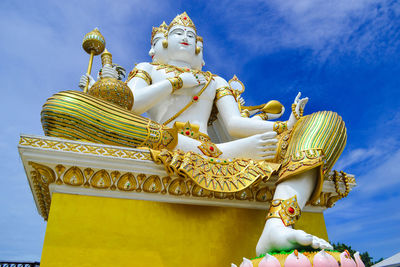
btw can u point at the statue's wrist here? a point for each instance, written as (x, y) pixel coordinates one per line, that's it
(176, 83)
(280, 126)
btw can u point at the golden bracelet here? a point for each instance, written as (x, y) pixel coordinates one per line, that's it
(279, 127)
(263, 116)
(176, 83)
(297, 116)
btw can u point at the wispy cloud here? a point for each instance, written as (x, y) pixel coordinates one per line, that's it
(321, 26)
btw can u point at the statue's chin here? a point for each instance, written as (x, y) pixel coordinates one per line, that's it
(183, 56)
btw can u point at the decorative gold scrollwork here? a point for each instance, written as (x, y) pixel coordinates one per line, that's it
(42, 176)
(101, 180)
(152, 184)
(177, 187)
(47, 175)
(127, 182)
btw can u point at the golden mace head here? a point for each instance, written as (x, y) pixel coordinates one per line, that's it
(94, 41)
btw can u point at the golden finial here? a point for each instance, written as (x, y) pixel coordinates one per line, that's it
(162, 28)
(183, 20)
(106, 58)
(94, 44)
(164, 25)
(111, 89)
(94, 41)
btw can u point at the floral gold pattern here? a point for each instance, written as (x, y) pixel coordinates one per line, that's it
(93, 149)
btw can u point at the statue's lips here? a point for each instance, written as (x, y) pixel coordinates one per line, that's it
(185, 43)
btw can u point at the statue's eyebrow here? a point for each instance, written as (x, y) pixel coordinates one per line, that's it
(176, 30)
(156, 40)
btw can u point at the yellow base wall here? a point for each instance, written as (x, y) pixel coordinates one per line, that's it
(100, 231)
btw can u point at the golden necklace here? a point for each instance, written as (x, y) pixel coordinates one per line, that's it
(194, 98)
(176, 70)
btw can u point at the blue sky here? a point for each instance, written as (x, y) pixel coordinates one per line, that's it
(343, 55)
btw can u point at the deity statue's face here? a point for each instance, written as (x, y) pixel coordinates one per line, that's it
(157, 52)
(182, 44)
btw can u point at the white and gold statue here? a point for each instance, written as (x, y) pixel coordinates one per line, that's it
(181, 102)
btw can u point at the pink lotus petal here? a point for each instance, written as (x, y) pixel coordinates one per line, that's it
(298, 260)
(323, 259)
(359, 262)
(246, 263)
(269, 261)
(346, 260)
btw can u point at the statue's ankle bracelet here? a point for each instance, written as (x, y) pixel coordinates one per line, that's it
(287, 210)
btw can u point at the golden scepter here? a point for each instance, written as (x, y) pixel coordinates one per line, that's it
(93, 43)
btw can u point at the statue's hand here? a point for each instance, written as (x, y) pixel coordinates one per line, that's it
(109, 72)
(84, 79)
(190, 80)
(300, 105)
(272, 116)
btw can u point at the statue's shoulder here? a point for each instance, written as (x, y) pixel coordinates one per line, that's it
(142, 70)
(144, 66)
(220, 82)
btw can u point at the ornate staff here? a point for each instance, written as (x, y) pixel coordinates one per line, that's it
(93, 43)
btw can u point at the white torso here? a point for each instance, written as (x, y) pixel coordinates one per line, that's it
(198, 113)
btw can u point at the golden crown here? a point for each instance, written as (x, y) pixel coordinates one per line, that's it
(162, 28)
(183, 20)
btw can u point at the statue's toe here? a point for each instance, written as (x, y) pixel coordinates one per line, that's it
(315, 243)
(301, 238)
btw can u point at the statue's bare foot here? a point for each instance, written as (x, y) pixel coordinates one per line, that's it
(276, 236)
(259, 147)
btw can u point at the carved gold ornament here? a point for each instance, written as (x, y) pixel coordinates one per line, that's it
(176, 83)
(280, 126)
(218, 175)
(182, 20)
(138, 73)
(209, 149)
(162, 29)
(190, 130)
(43, 175)
(287, 210)
(223, 91)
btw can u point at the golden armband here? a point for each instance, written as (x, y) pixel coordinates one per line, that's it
(176, 83)
(279, 127)
(223, 91)
(138, 73)
(287, 210)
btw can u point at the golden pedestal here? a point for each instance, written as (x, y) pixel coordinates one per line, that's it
(113, 206)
